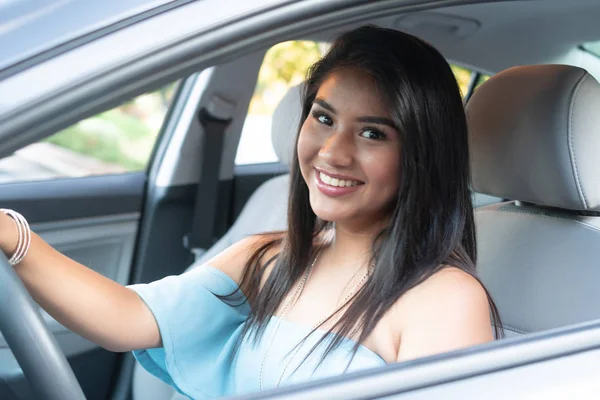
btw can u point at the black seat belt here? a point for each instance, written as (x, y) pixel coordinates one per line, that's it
(215, 119)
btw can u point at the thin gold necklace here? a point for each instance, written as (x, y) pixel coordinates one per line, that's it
(291, 302)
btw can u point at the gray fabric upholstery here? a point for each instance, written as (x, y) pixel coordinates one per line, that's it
(540, 265)
(286, 120)
(534, 139)
(535, 136)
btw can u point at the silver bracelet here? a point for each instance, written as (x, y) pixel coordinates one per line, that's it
(24, 233)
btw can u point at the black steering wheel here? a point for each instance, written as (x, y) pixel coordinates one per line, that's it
(41, 359)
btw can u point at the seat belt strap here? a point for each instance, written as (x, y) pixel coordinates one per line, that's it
(215, 118)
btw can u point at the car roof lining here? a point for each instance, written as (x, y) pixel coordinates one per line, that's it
(509, 33)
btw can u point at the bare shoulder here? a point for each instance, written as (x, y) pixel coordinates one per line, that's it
(450, 285)
(448, 310)
(233, 259)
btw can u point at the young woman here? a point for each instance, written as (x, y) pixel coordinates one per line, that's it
(377, 264)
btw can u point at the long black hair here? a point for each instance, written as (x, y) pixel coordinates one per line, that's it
(432, 221)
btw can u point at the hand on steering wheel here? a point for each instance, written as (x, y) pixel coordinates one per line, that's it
(41, 359)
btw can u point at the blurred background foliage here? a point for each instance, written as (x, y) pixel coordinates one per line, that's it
(123, 136)
(284, 66)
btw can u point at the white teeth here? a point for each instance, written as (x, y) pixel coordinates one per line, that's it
(336, 182)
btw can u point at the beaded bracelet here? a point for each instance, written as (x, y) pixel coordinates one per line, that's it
(24, 236)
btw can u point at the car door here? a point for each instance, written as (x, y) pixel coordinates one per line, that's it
(557, 364)
(82, 190)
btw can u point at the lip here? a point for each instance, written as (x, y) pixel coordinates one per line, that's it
(334, 191)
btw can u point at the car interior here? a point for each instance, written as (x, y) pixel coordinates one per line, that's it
(543, 226)
(534, 148)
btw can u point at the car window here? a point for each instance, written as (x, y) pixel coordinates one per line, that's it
(463, 77)
(466, 77)
(116, 141)
(482, 78)
(284, 66)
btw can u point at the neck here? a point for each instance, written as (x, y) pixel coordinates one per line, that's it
(352, 246)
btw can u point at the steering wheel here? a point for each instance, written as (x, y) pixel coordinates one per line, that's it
(41, 359)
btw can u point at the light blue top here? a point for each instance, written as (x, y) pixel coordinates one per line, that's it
(199, 332)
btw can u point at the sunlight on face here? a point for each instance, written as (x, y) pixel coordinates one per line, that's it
(349, 152)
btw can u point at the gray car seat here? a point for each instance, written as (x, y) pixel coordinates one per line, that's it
(265, 211)
(535, 138)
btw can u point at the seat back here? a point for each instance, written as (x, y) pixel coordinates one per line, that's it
(535, 138)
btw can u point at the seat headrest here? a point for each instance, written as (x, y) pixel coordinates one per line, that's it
(284, 127)
(534, 136)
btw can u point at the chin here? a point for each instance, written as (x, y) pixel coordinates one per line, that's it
(332, 215)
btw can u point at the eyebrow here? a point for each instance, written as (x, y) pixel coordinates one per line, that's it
(368, 119)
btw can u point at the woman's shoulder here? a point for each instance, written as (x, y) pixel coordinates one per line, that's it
(449, 288)
(450, 282)
(448, 310)
(233, 259)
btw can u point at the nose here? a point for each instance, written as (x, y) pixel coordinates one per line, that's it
(338, 149)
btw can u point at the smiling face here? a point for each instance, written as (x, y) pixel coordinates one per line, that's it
(349, 151)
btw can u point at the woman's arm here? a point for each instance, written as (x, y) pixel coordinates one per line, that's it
(92, 305)
(81, 299)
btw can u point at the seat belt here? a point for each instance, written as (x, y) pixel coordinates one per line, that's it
(214, 119)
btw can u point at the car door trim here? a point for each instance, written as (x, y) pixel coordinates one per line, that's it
(439, 369)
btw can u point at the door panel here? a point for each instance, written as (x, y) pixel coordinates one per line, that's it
(561, 363)
(570, 377)
(71, 199)
(94, 221)
(104, 244)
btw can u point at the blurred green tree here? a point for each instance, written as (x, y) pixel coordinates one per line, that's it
(284, 65)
